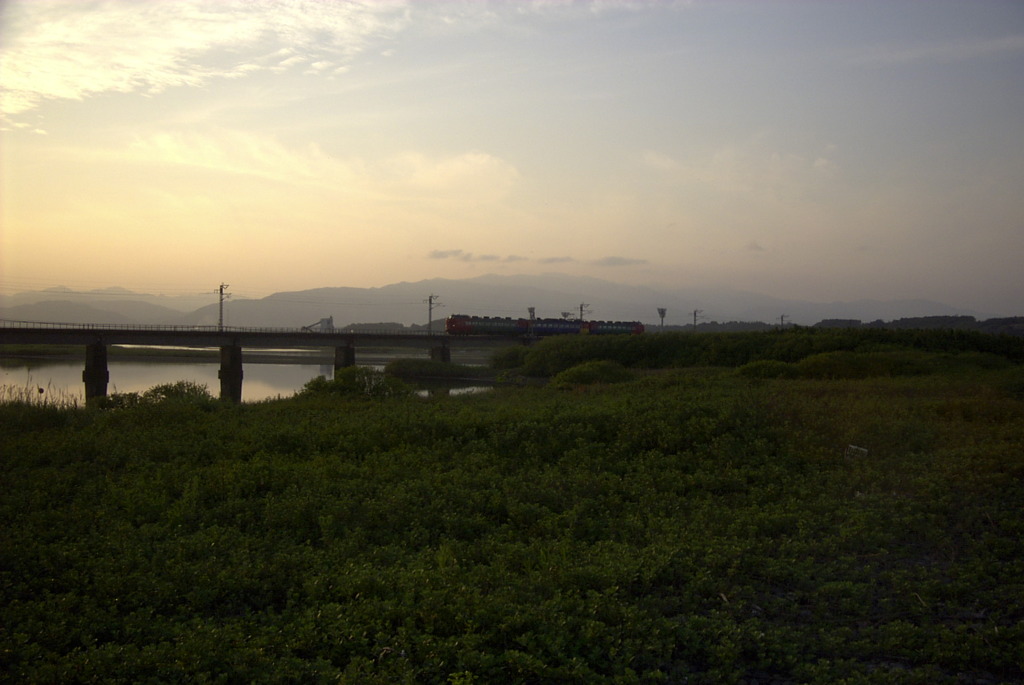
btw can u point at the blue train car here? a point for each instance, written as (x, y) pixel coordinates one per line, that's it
(461, 324)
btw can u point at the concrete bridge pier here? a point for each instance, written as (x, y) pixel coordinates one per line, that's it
(344, 357)
(96, 374)
(230, 373)
(441, 353)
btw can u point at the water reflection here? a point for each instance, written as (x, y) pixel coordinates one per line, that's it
(447, 388)
(63, 379)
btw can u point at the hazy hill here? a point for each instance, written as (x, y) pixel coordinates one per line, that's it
(62, 311)
(489, 295)
(493, 295)
(105, 298)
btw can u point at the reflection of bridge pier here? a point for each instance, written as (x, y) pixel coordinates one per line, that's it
(230, 373)
(441, 353)
(344, 356)
(96, 374)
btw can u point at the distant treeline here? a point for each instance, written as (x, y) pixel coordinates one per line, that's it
(794, 344)
(1013, 325)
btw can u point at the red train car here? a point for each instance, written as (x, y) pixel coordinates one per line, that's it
(461, 324)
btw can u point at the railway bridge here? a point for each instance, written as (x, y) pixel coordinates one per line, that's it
(231, 341)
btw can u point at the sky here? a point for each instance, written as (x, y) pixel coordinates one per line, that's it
(825, 151)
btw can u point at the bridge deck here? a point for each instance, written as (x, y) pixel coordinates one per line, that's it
(33, 333)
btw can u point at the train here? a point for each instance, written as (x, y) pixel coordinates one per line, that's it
(461, 324)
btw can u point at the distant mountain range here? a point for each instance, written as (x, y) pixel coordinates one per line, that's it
(490, 295)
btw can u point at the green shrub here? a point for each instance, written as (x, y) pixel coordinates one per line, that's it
(357, 381)
(600, 371)
(845, 364)
(973, 360)
(908, 351)
(904, 363)
(879, 361)
(768, 368)
(120, 400)
(1012, 383)
(178, 393)
(181, 391)
(428, 368)
(509, 357)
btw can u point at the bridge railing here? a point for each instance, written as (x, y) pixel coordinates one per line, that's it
(50, 325)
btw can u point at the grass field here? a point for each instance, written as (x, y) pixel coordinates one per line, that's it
(622, 524)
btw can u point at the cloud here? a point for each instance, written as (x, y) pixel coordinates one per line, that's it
(68, 49)
(559, 8)
(659, 161)
(942, 53)
(757, 169)
(471, 175)
(463, 256)
(446, 254)
(238, 153)
(556, 260)
(470, 179)
(618, 261)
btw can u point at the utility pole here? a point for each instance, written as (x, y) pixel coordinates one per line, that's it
(430, 313)
(696, 313)
(223, 296)
(782, 320)
(662, 311)
(584, 310)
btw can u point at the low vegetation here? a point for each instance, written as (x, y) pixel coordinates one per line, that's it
(182, 392)
(356, 381)
(427, 368)
(596, 371)
(677, 350)
(637, 520)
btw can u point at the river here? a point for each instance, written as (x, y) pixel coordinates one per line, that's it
(62, 380)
